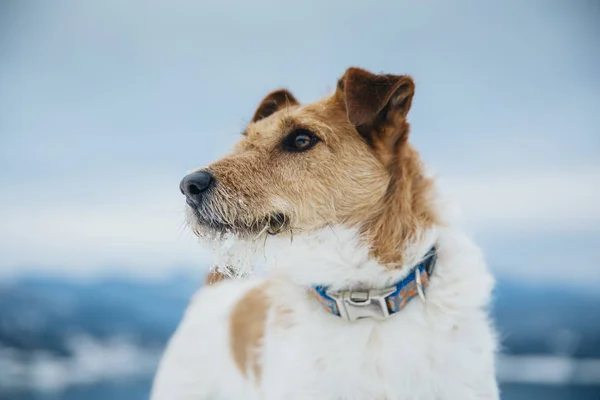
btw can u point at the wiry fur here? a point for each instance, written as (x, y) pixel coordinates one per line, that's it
(355, 211)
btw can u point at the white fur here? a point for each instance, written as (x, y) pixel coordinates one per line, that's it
(441, 349)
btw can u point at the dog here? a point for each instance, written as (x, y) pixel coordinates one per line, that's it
(354, 284)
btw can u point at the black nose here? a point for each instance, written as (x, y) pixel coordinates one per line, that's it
(194, 185)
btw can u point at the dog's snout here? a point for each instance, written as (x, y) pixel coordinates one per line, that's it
(194, 185)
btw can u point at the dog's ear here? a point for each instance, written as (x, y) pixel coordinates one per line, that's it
(273, 102)
(376, 102)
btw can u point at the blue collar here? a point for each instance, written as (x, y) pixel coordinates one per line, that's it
(378, 303)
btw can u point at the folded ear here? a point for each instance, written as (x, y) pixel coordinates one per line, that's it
(376, 101)
(273, 102)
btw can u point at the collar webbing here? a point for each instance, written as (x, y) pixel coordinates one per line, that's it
(378, 303)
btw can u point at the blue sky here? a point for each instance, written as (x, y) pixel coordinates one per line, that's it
(105, 105)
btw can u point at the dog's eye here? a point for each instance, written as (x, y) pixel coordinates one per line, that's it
(300, 140)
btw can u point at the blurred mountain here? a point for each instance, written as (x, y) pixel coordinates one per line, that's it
(43, 313)
(62, 338)
(536, 319)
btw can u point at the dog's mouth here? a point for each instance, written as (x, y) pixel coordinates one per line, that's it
(271, 224)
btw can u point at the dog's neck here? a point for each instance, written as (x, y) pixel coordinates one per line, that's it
(336, 256)
(405, 212)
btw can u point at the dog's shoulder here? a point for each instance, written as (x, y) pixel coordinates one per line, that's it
(220, 319)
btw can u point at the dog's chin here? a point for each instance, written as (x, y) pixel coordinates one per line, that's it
(213, 227)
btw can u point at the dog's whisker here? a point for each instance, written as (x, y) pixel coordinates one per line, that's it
(261, 232)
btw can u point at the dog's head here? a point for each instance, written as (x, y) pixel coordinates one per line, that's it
(342, 160)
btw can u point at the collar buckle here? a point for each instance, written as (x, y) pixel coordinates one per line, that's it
(358, 304)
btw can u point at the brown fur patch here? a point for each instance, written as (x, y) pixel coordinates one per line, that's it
(406, 209)
(214, 276)
(247, 325)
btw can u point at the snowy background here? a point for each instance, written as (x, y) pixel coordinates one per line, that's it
(105, 105)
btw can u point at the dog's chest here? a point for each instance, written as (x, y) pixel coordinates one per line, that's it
(402, 358)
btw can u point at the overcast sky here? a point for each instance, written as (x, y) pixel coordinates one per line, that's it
(105, 105)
